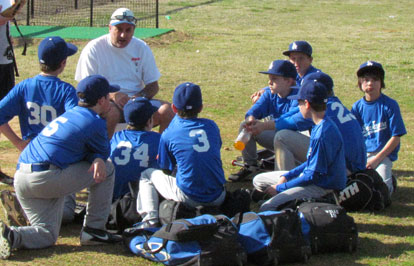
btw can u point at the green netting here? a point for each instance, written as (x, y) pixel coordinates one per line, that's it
(78, 32)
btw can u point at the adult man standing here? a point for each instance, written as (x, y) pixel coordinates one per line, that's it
(128, 62)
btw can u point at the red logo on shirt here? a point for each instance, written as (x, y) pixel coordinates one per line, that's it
(135, 59)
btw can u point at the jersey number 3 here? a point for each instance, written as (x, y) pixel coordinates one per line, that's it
(202, 138)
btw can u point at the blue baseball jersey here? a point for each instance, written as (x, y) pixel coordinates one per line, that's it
(193, 147)
(131, 153)
(311, 69)
(272, 105)
(380, 120)
(325, 164)
(79, 134)
(355, 152)
(37, 101)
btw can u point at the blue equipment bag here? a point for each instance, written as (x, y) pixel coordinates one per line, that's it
(271, 237)
(203, 240)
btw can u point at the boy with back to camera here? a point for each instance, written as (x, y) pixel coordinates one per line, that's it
(324, 169)
(68, 155)
(273, 103)
(189, 154)
(134, 149)
(380, 119)
(37, 101)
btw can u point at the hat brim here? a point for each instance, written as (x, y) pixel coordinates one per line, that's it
(366, 69)
(72, 49)
(117, 22)
(114, 88)
(287, 53)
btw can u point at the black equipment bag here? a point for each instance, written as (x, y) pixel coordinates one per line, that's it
(124, 212)
(271, 237)
(328, 227)
(235, 202)
(365, 190)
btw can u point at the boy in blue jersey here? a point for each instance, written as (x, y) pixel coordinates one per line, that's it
(189, 154)
(68, 155)
(134, 149)
(300, 55)
(287, 149)
(273, 103)
(380, 119)
(39, 100)
(324, 169)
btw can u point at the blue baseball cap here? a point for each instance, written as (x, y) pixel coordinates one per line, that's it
(94, 87)
(299, 46)
(370, 66)
(123, 15)
(323, 78)
(138, 111)
(53, 50)
(282, 68)
(312, 91)
(187, 96)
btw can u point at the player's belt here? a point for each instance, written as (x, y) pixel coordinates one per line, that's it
(35, 167)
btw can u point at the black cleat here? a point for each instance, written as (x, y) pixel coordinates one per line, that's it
(5, 179)
(240, 175)
(92, 237)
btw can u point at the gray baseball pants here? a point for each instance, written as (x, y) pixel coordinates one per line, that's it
(264, 180)
(291, 148)
(384, 169)
(154, 181)
(41, 195)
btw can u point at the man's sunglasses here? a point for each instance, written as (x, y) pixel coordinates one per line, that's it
(123, 17)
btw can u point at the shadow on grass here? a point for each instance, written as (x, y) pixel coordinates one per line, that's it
(387, 229)
(374, 248)
(66, 232)
(62, 249)
(405, 173)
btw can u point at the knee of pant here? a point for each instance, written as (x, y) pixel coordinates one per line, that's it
(110, 168)
(281, 135)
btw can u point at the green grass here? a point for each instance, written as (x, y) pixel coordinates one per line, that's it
(221, 45)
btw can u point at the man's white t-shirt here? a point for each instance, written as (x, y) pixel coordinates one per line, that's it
(131, 67)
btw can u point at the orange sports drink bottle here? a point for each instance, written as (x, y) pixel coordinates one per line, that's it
(242, 139)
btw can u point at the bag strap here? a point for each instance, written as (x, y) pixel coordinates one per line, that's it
(21, 35)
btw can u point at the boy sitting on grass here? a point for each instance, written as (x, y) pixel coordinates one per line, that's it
(134, 149)
(189, 154)
(380, 119)
(324, 169)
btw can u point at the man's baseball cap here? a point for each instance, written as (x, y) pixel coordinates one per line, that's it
(371, 66)
(187, 96)
(94, 87)
(323, 78)
(282, 68)
(299, 46)
(138, 111)
(123, 15)
(312, 91)
(53, 50)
